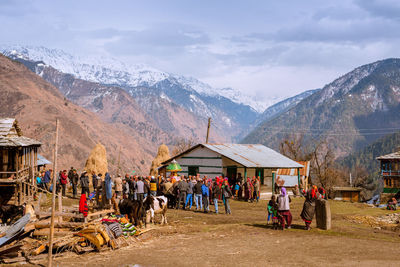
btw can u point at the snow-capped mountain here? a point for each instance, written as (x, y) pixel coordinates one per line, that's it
(349, 113)
(111, 71)
(155, 91)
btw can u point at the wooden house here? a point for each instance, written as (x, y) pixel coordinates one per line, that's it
(18, 160)
(351, 194)
(390, 172)
(234, 161)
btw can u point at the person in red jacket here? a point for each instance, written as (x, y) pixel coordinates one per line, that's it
(64, 181)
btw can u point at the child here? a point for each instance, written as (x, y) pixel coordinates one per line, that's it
(270, 208)
(273, 212)
(236, 189)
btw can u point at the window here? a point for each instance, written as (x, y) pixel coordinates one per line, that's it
(193, 170)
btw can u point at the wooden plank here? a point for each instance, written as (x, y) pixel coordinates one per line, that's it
(57, 232)
(41, 225)
(42, 214)
(102, 212)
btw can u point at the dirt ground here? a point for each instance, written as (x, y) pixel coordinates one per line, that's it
(244, 239)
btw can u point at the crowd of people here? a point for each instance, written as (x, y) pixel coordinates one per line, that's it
(187, 192)
(183, 192)
(279, 207)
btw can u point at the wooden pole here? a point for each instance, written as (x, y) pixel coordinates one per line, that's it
(208, 130)
(60, 205)
(53, 202)
(119, 161)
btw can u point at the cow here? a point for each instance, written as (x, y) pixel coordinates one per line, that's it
(134, 209)
(11, 212)
(156, 205)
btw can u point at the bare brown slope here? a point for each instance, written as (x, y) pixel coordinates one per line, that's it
(36, 104)
(153, 118)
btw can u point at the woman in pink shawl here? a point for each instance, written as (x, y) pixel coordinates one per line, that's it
(284, 209)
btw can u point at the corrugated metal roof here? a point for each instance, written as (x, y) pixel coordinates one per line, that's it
(395, 155)
(42, 160)
(250, 156)
(253, 156)
(305, 171)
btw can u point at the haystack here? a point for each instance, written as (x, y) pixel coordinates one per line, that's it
(97, 160)
(162, 155)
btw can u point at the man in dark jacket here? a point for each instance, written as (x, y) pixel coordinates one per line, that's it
(70, 173)
(183, 187)
(74, 181)
(216, 193)
(94, 180)
(227, 195)
(47, 179)
(85, 183)
(198, 197)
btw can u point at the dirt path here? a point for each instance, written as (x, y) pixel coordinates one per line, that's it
(197, 239)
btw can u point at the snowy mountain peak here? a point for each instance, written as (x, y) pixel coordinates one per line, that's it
(111, 71)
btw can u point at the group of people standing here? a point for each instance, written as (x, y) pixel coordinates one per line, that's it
(279, 208)
(183, 191)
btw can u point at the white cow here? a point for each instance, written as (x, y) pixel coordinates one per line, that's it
(156, 205)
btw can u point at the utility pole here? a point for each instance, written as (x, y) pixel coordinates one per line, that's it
(119, 159)
(53, 201)
(208, 130)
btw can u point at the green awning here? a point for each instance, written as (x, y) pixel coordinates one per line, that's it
(174, 167)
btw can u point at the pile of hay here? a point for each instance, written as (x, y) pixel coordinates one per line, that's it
(97, 160)
(162, 155)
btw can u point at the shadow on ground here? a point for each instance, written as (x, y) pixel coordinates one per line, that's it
(269, 226)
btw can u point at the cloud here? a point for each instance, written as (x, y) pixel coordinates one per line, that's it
(387, 9)
(159, 40)
(16, 8)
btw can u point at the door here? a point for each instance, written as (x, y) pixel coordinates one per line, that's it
(193, 170)
(231, 173)
(260, 173)
(346, 196)
(354, 196)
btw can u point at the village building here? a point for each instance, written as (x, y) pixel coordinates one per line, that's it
(347, 193)
(390, 172)
(234, 161)
(18, 161)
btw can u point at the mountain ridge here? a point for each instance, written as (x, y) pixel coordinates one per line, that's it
(345, 112)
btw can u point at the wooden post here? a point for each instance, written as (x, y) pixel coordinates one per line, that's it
(53, 202)
(298, 177)
(273, 182)
(16, 194)
(23, 192)
(208, 130)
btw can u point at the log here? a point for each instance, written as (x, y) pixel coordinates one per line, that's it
(102, 212)
(57, 232)
(64, 214)
(41, 225)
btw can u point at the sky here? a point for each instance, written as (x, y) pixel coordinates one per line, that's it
(269, 49)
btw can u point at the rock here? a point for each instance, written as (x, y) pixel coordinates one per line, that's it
(97, 160)
(162, 155)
